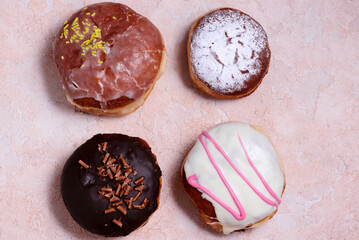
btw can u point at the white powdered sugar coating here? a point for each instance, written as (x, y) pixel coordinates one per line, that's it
(225, 49)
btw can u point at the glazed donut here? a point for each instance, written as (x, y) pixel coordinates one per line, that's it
(228, 53)
(108, 58)
(234, 177)
(111, 184)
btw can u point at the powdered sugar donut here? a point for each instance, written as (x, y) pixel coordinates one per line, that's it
(234, 176)
(228, 53)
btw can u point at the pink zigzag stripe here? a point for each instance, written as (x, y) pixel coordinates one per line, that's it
(192, 180)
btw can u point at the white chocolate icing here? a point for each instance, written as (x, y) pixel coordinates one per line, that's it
(264, 158)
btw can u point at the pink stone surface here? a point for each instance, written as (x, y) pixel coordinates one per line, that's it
(308, 104)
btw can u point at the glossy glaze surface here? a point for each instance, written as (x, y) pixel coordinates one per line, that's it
(80, 186)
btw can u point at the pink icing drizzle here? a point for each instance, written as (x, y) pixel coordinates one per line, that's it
(192, 180)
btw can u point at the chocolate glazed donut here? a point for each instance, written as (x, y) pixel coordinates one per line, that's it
(111, 184)
(109, 58)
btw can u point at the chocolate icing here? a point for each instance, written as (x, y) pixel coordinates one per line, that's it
(80, 186)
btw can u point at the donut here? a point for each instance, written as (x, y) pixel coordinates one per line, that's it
(234, 177)
(111, 184)
(228, 53)
(108, 58)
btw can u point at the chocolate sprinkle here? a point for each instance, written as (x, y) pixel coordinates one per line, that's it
(122, 209)
(139, 180)
(83, 164)
(106, 157)
(138, 206)
(110, 210)
(117, 222)
(139, 188)
(137, 196)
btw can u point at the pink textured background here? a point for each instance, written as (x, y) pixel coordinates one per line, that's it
(308, 104)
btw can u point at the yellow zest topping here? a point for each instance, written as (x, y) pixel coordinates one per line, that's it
(78, 32)
(85, 8)
(65, 22)
(76, 28)
(86, 30)
(93, 14)
(65, 32)
(114, 18)
(100, 62)
(62, 57)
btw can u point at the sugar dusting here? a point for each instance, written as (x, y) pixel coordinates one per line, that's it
(225, 49)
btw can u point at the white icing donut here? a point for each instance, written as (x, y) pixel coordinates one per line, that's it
(230, 137)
